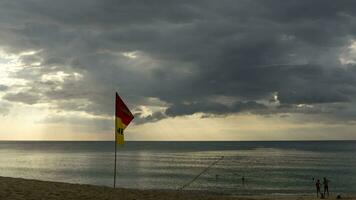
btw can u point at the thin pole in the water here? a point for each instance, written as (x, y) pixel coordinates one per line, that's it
(205, 170)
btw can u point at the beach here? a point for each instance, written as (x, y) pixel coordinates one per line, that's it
(26, 189)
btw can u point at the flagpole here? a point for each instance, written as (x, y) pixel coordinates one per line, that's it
(115, 162)
(115, 155)
(123, 117)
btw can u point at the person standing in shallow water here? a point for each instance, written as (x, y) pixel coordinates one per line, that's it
(326, 186)
(317, 185)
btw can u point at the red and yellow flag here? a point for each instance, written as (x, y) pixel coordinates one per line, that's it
(123, 117)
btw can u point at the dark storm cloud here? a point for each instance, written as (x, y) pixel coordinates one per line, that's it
(187, 53)
(23, 97)
(3, 87)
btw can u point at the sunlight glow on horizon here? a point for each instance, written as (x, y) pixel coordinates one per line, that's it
(41, 121)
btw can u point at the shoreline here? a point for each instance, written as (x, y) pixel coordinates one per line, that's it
(23, 189)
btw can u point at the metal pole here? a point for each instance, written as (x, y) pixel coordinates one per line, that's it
(115, 161)
(115, 131)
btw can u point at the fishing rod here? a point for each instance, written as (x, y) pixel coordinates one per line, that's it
(205, 170)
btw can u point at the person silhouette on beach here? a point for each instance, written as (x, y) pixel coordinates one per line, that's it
(243, 180)
(317, 185)
(326, 186)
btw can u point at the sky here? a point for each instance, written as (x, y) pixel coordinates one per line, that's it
(188, 70)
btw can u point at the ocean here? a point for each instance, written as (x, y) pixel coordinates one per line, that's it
(269, 168)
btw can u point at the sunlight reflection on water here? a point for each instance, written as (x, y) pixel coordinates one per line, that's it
(269, 167)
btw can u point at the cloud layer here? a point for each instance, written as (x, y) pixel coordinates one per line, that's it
(174, 58)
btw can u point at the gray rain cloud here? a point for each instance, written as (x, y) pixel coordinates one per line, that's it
(211, 57)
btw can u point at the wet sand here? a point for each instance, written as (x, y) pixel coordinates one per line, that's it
(24, 189)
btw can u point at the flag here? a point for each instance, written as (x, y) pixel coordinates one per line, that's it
(123, 117)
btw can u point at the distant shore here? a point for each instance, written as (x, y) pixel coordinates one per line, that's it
(25, 189)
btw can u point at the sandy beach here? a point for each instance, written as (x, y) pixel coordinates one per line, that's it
(24, 189)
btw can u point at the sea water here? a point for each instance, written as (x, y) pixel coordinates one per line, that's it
(269, 168)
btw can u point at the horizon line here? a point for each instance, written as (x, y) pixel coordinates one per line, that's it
(324, 140)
